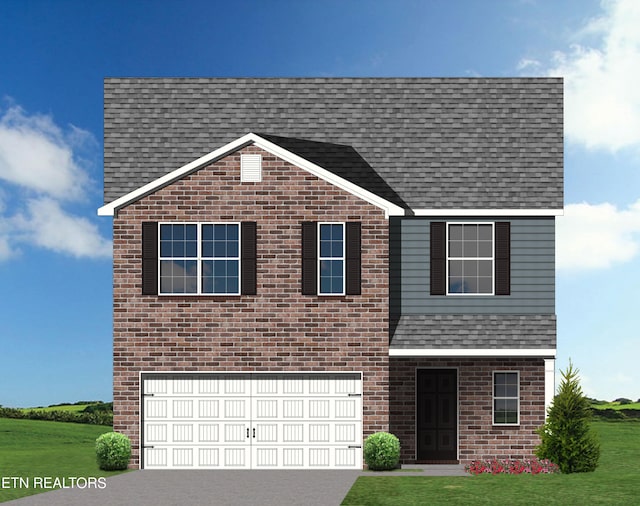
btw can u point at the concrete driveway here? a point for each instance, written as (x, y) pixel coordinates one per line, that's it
(187, 488)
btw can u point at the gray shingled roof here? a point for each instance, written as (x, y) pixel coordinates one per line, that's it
(436, 143)
(474, 331)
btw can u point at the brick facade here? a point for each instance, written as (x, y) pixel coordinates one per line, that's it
(276, 330)
(478, 438)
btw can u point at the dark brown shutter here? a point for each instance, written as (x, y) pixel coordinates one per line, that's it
(438, 258)
(309, 258)
(248, 258)
(503, 258)
(149, 258)
(353, 256)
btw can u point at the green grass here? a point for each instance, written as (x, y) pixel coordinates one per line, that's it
(616, 405)
(36, 448)
(616, 481)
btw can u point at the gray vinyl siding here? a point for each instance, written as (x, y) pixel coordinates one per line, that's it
(532, 270)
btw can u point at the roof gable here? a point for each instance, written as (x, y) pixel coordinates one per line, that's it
(343, 158)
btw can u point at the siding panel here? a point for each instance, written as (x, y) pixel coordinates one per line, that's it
(532, 270)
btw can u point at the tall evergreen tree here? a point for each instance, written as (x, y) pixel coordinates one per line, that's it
(567, 438)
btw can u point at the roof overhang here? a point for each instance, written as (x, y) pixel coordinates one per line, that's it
(488, 212)
(472, 352)
(390, 209)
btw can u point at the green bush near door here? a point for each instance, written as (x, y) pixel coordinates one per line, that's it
(382, 451)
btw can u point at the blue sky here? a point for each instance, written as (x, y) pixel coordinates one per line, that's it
(55, 252)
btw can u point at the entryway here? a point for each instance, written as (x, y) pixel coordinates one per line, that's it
(437, 416)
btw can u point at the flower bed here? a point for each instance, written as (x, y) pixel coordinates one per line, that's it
(498, 466)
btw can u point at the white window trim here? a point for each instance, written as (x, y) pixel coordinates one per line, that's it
(493, 258)
(493, 399)
(199, 258)
(343, 258)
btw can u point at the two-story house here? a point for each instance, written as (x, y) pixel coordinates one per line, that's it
(299, 263)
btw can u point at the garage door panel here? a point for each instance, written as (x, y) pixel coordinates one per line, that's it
(304, 457)
(236, 457)
(155, 457)
(258, 420)
(209, 457)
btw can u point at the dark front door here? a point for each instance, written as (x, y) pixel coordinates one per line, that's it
(437, 416)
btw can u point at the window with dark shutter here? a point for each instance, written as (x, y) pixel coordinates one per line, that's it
(353, 258)
(438, 260)
(309, 258)
(503, 258)
(248, 258)
(149, 258)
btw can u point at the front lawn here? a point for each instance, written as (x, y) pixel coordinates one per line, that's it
(616, 481)
(36, 448)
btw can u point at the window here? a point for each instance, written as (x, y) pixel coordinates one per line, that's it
(331, 258)
(199, 258)
(506, 398)
(470, 258)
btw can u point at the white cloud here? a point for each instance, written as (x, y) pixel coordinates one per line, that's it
(596, 236)
(44, 164)
(529, 65)
(602, 94)
(47, 225)
(36, 154)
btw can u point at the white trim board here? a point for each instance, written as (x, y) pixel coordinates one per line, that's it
(549, 383)
(472, 352)
(389, 208)
(488, 212)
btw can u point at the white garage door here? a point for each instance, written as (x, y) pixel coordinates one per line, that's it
(252, 421)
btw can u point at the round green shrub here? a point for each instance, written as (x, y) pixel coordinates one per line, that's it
(113, 451)
(382, 451)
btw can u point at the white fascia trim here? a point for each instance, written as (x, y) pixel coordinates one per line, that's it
(489, 212)
(472, 352)
(389, 208)
(109, 209)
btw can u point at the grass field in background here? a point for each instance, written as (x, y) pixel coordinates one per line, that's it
(30, 448)
(617, 406)
(615, 482)
(65, 407)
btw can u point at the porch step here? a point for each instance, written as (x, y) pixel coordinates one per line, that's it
(422, 470)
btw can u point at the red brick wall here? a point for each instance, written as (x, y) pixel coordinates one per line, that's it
(478, 437)
(276, 330)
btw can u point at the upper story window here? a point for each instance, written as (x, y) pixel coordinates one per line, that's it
(331, 258)
(470, 258)
(199, 258)
(506, 398)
